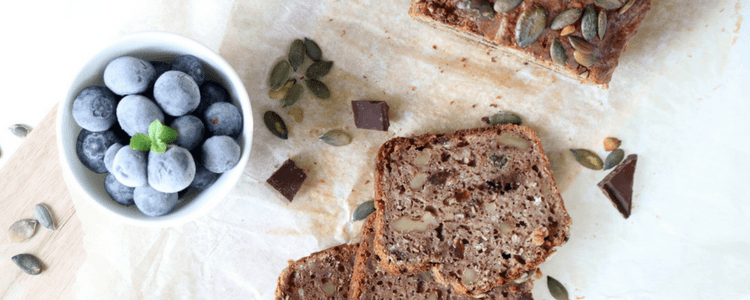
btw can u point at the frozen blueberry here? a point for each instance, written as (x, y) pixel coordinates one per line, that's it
(171, 171)
(153, 203)
(130, 167)
(190, 131)
(223, 118)
(135, 113)
(203, 177)
(109, 156)
(182, 193)
(160, 67)
(127, 75)
(92, 146)
(190, 65)
(94, 108)
(220, 154)
(211, 92)
(117, 191)
(176, 93)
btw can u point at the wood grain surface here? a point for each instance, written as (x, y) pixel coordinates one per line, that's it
(33, 175)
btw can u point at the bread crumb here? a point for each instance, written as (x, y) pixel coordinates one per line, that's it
(434, 47)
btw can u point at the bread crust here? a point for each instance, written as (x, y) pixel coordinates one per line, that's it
(427, 257)
(338, 262)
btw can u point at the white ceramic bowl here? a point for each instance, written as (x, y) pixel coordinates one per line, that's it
(152, 46)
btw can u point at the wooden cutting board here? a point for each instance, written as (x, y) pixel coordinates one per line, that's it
(34, 175)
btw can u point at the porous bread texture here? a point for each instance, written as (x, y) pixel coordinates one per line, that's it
(322, 275)
(370, 282)
(478, 207)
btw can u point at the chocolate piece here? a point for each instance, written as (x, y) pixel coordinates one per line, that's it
(618, 185)
(371, 115)
(287, 179)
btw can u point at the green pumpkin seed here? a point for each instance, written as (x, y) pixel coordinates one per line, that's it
(293, 95)
(20, 130)
(602, 26)
(279, 75)
(313, 50)
(276, 125)
(556, 288)
(297, 114)
(22, 230)
(609, 4)
(557, 52)
(297, 54)
(281, 93)
(587, 159)
(318, 69)
(318, 89)
(626, 7)
(581, 45)
(565, 18)
(505, 117)
(614, 158)
(480, 9)
(503, 6)
(44, 216)
(586, 60)
(336, 138)
(28, 263)
(363, 210)
(530, 26)
(588, 23)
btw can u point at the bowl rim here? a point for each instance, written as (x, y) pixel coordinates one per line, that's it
(221, 66)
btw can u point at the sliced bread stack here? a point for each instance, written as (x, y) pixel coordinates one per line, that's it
(464, 214)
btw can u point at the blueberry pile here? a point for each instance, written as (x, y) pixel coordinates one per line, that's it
(138, 92)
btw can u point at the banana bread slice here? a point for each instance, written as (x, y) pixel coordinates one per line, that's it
(322, 275)
(370, 282)
(478, 206)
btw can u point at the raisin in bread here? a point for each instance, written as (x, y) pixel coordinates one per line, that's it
(477, 206)
(370, 282)
(322, 275)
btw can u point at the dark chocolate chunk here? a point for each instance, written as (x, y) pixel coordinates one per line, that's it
(287, 179)
(371, 115)
(618, 185)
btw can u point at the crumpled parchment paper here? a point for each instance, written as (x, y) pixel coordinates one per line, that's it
(678, 100)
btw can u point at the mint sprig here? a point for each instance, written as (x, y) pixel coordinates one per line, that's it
(159, 135)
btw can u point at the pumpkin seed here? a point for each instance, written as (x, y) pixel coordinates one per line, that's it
(276, 125)
(557, 52)
(28, 263)
(557, 289)
(565, 18)
(602, 26)
(293, 95)
(44, 216)
(503, 6)
(480, 9)
(609, 4)
(336, 137)
(297, 114)
(588, 23)
(363, 210)
(22, 230)
(318, 89)
(505, 117)
(586, 60)
(587, 159)
(614, 158)
(313, 50)
(20, 130)
(626, 7)
(280, 93)
(279, 75)
(297, 54)
(318, 69)
(581, 45)
(530, 26)
(568, 30)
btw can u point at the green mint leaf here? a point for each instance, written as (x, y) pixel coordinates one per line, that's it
(140, 142)
(153, 129)
(159, 147)
(166, 134)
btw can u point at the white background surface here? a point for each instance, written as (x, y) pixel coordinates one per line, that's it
(680, 99)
